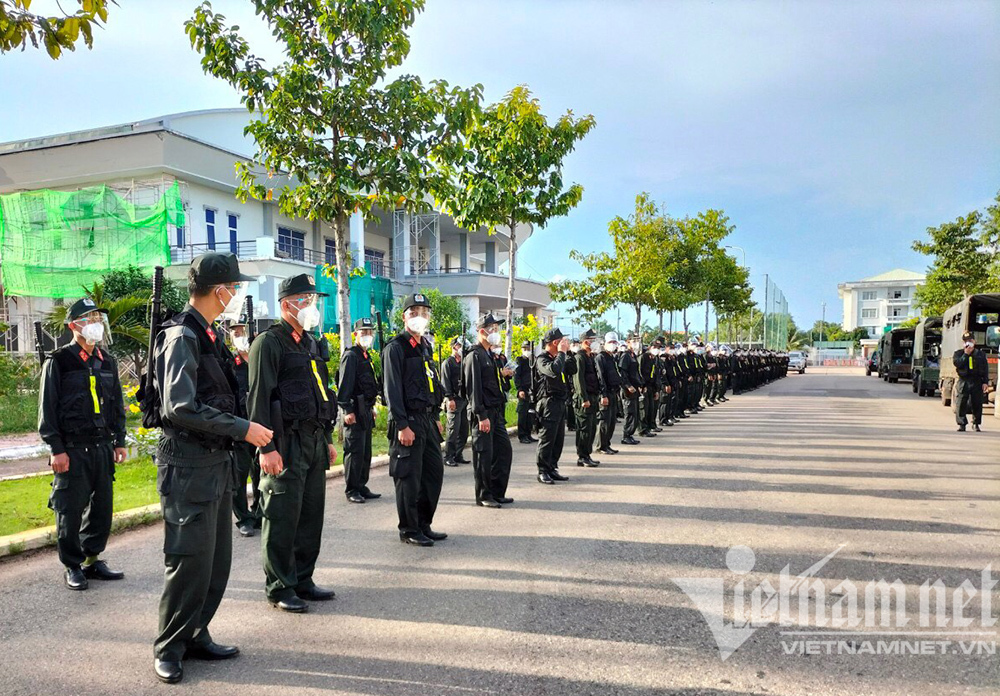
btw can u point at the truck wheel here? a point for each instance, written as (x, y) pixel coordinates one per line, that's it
(946, 393)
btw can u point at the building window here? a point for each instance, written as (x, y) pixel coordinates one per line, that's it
(233, 220)
(180, 235)
(869, 313)
(292, 243)
(896, 294)
(330, 250)
(210, 227)
(375, 261)
(868, 295)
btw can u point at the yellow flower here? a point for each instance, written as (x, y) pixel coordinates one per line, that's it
(134, 408)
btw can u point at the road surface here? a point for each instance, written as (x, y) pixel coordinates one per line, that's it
(574, 589)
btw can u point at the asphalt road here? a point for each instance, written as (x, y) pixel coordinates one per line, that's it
(571, 590)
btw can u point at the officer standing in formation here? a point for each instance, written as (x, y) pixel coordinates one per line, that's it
(649, 374)
(610, 379)
(555, 367)
(491, 450)
(628, 366)
(248, 518)
(415, 461)
(198, 403)
(973, 382)
(289, 394)
(356, 395)
(588, 399)
(457, 412)
(81, 417)
(523, 385)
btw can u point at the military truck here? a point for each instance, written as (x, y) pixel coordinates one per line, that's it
(979, 314)
(925, 368)
(895, 351)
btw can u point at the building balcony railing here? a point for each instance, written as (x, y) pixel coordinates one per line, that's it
(254, 249)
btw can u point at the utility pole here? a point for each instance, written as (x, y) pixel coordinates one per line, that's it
(708, 297)
(763, 341)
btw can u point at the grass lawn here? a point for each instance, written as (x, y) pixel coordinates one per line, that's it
(18, 413)
(25, 501)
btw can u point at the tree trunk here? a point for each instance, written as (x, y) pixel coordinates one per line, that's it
(684, 320)
(341, 234)
(638, 318)
(671, 334)
(661, 322)
(508, 334)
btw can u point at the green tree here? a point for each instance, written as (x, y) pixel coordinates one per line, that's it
(965, 259)
(629, 274)
(510, 173)
(19, 26)
(448, 316)
(347, 140)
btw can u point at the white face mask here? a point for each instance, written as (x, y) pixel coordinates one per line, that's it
(575, 349)
(418, 325)
(366, 342)
(525, 353)
(495, 350)
(636, 347)
(595, 346)
(494, 338)
(241, 343)
(970, 344)
(232, 307)
(93, 333)
(611, 347)
(308, 317)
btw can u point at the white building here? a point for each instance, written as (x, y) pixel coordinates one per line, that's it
(880, 301)
(198, 150)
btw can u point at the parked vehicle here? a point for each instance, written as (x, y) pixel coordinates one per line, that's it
(797, 361)
(926, 366)
(872, 364)
(895, 350)
(979, 314)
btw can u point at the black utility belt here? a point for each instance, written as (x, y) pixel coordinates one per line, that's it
(83, 444)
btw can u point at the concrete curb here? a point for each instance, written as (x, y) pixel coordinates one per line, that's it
(46, 536)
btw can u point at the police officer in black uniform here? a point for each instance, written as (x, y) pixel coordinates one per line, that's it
(197, 399)
(415, 461)
(290, 393)
(484, 384)
(631, 385)
(522, 383)
(81, 417)
(555, 367)
(456, 405)
(650, 376)
(610, 380)
(248, 518)
(588, 399)
(973, 382)
(356, 395)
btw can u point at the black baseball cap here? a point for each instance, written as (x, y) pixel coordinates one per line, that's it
(588, 335)
(302, 284)
(216, 268)
(82, 307)
(488, 319)
(364, 323)
(968, 336)
(526, 344)
(553, 334)
(417, 299)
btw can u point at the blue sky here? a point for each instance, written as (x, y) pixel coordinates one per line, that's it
(831, 133)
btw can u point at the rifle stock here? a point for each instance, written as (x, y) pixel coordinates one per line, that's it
(251, 324)
(147, 396)
(381, 355)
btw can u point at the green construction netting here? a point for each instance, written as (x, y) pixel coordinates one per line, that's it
(54, 242)
(368, 295)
